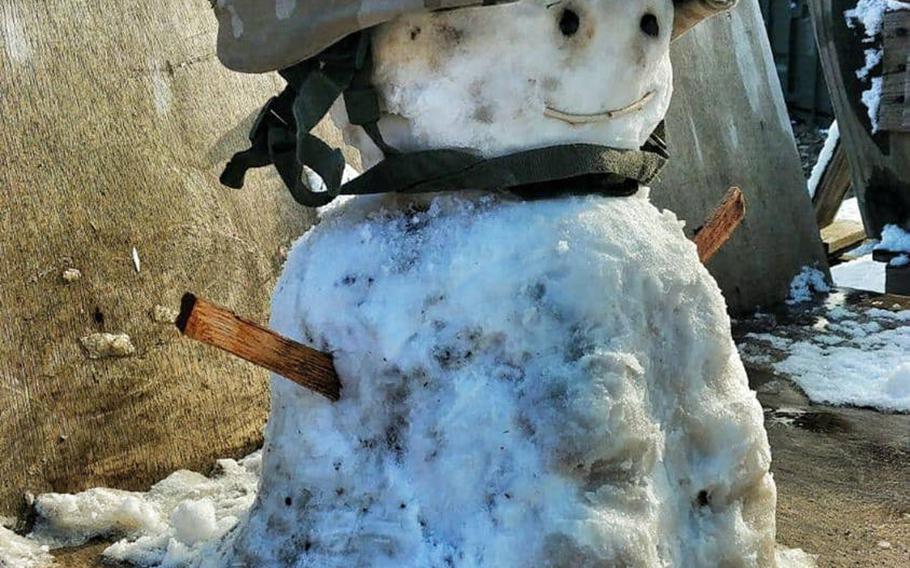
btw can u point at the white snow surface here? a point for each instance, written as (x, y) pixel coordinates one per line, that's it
(476, 68)
(541, 383)
(862, 273)
(824, 158)
(805, 285)
(894, 239)
(174, 524)
(19, 552)
(856, 357)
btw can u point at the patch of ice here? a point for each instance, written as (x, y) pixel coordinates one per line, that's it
(795, 558)
(161, 89)
(13, 34)
(71, 275)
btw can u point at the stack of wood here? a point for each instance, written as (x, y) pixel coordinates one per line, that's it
(877, 148)
(839, 235)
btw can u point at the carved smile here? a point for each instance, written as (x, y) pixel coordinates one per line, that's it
(576, 119)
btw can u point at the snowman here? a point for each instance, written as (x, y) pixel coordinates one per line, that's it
(537, 370)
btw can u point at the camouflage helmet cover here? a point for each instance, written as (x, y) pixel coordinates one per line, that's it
(257, 36)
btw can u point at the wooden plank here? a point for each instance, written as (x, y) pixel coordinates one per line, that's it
(721, 225)
(833, 187)
(841, 236)
(217, 326)
(894, 113)
(879, 163)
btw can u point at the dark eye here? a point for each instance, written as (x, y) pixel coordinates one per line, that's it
(649, 25)
(568, 23)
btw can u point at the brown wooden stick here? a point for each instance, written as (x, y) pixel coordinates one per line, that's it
(720, 226)
(216, 326)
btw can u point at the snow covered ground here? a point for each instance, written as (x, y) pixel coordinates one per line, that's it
(20, 552)
(172, 525)
(853, 356)
(861, 272)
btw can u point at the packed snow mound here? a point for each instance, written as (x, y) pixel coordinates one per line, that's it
(172, 525)
(19, 552)
(496, 78)
(547, 383)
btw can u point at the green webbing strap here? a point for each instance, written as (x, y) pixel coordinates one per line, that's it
(281, 136)
(595, 169)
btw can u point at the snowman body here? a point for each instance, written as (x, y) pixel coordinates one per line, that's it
(544, 383)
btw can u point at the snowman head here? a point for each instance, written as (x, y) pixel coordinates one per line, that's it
(524, 75)
(457, 94)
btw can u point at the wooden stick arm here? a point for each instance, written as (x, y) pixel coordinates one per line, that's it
(217, 326)
(721, 225)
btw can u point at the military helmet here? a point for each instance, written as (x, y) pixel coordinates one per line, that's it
(258, 36)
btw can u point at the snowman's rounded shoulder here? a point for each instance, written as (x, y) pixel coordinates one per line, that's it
(368, 252)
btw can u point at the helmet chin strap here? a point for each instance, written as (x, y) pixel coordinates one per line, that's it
(281, 137)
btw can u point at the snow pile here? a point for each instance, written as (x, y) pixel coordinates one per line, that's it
(513, 379)
(855, 356)
(20, 552)
(824, 158)
(471, 78)
(805, 285)
(169, 525)
(871, 14)
(894, 239)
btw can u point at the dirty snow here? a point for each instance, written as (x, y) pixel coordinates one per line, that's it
(71, 275)
(442, 88)
(108, 345)
(805, 285)
(525, 347)
(171, 525)
(854, 356)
